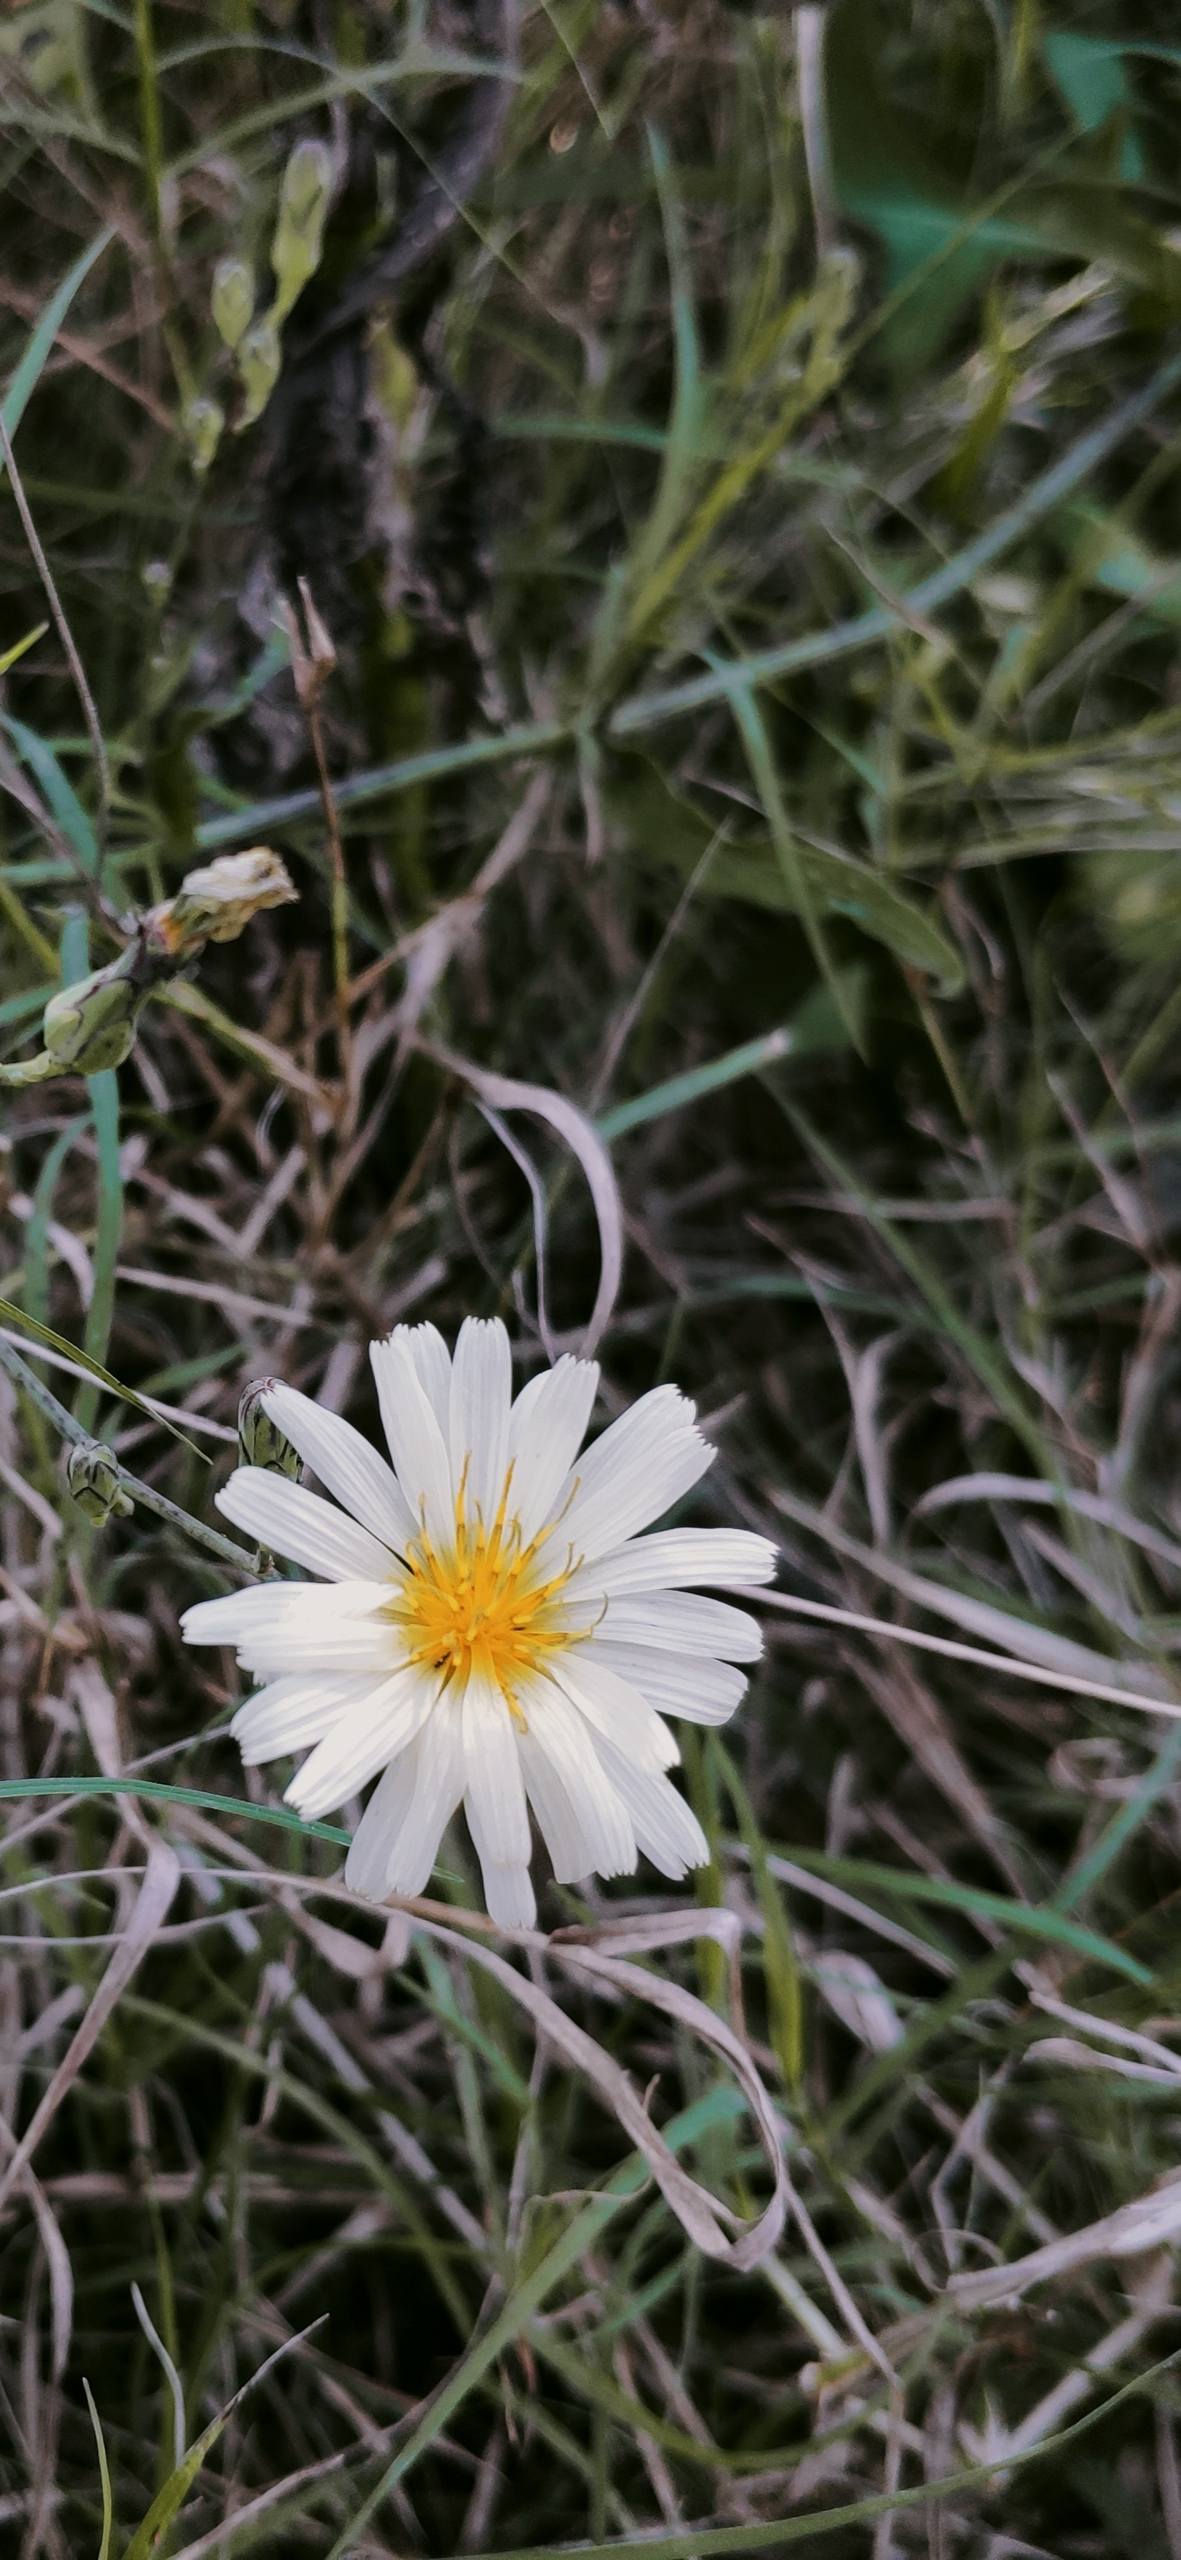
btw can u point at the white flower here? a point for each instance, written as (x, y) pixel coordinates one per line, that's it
(488, 1627)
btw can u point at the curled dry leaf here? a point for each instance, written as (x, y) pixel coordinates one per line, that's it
(699, 2213)
(152, 1904)
(507, 1093)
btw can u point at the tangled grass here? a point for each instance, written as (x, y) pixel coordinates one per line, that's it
(733, 800)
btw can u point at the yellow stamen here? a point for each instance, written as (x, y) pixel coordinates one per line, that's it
(482, 1595)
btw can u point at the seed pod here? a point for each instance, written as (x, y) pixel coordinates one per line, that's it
(216, 902)
(261, 1442)
(93, 1479)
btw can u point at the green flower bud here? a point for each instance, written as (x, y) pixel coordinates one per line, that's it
(259, 358)
(201, 423)
(261, 1442)
(232, 300)
(217, 901)
(303, 198)
(93, 1479)
(299, 231)
(91, 1026)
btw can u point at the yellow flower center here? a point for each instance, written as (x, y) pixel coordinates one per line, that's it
(484, 1601)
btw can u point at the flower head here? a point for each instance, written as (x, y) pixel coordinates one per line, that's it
(489, 1627)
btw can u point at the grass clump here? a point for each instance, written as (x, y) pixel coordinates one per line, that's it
(726, 750)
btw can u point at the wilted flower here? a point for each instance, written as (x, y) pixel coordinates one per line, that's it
(489, 1627)
(217, 901)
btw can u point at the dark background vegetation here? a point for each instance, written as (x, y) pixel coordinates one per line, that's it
(734, 453)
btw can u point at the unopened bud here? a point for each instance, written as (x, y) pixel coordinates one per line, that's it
(232, 300)
(92, 1475)
(202, 421)
(261, 1442)
(216, 902)
(259, 359)
(306, 181)
(299, 231)
(91, 1026)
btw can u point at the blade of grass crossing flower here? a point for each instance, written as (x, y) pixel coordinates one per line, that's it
(103, 1093)
(160, 1791)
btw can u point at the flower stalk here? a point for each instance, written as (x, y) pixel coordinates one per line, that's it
(96, 1464)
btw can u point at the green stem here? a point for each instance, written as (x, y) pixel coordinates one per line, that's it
(143, 1495)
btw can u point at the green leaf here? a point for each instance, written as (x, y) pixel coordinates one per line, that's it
(167, 2504)
(1090, 72)
(9, 657)
(28, 373)
(1026, 1919)
(63, 800)
(160, 1791)
(820, 1025)
(900, 174)
(10, 1314)
(103, 1093)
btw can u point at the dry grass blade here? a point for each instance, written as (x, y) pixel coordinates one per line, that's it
(151, 1905)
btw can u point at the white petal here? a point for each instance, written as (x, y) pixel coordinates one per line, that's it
(614, 1707)
(481, 1392)
(494, 1802)
(379, 1724)
(352, 1646)
(301, 1525)
(289, 1715)
(636, 1471)
(678, 1559)
(676, 1684)
(435, 1775)
(416, 1440)
(266, 1607)
(680, 1622)
(365, 1865)
(667, 1829)
(495, 1799)
(345, 1462)
(546, 1431)
(431, 1362)
(586, 1826)
(509, 1894)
